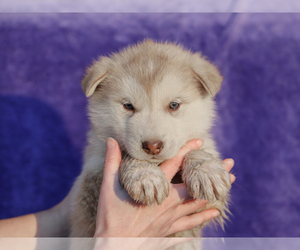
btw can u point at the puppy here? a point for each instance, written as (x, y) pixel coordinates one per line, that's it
(152, 98)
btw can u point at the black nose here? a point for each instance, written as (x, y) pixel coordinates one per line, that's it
(152, 147)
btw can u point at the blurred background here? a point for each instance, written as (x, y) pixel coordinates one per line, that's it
(43, 121)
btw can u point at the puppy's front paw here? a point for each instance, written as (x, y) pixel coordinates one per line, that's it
(144, 182)
(207, 180)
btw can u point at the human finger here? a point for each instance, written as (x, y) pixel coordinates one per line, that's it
(191, 221)
(113, 159)
(189, 207)
(228, 164)
(178, 192)
(171, 166)
(232, 178)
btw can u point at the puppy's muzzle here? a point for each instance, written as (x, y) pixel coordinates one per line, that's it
(152, 147)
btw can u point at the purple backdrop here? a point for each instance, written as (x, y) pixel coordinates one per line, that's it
(43, 118)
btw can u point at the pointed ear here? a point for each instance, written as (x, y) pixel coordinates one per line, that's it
(95, 75)
(207, 74)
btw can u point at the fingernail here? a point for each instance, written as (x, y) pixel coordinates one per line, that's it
(215, 214)
(199, 143)
(110, 143)
(230, 161)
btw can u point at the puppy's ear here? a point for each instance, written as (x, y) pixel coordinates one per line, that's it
(95, 75)
(207, 74)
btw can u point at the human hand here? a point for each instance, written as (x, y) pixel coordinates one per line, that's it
(119, 216)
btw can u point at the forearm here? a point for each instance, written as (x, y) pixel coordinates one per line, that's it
(49, 223)
(23, 226)
(52, 223)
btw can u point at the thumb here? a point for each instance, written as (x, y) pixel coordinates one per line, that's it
(113, 159)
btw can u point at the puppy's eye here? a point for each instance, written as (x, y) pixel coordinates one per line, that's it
(128, 106)
(174, 106)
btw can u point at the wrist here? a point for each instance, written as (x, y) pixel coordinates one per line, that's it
(54, 222)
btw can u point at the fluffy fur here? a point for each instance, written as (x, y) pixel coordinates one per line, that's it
(149, 77)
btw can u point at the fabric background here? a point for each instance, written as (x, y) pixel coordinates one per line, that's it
(150, 6)
(43, 118)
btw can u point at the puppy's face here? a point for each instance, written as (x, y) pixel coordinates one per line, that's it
(151, 99)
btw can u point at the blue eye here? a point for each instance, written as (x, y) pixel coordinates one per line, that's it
(174, 105)
(128, 106)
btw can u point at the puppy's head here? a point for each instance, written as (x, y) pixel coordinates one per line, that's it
(152, 98)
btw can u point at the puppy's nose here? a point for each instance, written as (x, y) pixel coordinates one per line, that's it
(152, 147)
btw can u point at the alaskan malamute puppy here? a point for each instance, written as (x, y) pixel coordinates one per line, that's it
(152, 98)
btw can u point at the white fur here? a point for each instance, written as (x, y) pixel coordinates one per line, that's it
(150, 76)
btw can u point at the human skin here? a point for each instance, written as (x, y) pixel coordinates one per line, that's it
(118, 215)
